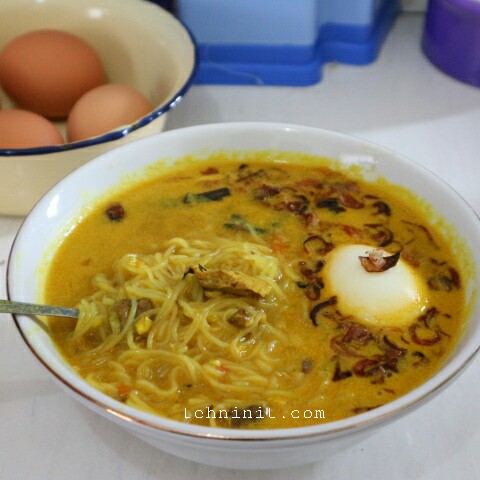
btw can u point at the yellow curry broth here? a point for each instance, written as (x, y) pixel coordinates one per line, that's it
(278, 205)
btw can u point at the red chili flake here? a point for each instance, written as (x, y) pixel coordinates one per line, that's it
(349, 201)
(282, 198)
(311, 273)
(210, 171)
(123, 392)
(320, 306)
(351, 231)
(392, 355)
(454, 275)
(422, 359)
(316, 245)
(313, 287)
(319, 266)
(352, 187)
(115, 212)
(424, 229)
(310, 219)
(265, 192)
(423, 341)
(429, 315)
(410, 258)
(338, 374)
(366, 367)
(382, 208)
(425, 319)
(357, 333)
(279, 243)
(445, 282)
(313, 290)
(339, 187)
(380, 234)
(341, 348)
(440, 282)
(309, 182)
(297, 206)
(398, 350)
(248, 177)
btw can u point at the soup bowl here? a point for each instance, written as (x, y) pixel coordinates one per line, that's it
(58, 211)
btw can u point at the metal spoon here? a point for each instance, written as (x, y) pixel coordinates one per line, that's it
(6, 306)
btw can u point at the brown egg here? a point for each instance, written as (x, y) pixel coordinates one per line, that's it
(23, 129)
(105, 108)
(47, 71)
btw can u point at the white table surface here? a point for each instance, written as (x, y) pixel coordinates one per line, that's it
(400, 101)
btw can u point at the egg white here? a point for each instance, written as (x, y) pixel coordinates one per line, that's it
(395, 297)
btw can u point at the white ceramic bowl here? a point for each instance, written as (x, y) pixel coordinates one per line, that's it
(139, 43)
(258, 449)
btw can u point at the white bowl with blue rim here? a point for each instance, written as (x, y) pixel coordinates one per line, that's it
(140, 44)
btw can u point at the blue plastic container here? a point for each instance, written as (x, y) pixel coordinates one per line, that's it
(283, 42)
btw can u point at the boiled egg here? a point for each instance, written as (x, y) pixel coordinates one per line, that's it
(106, 108)
(47, 71)
(24, 129)
(394, 297)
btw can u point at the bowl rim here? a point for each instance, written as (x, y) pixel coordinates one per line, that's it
(123, 131)
(322, 431)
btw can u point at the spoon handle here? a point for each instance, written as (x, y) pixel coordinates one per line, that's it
(6, 306)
